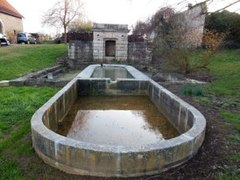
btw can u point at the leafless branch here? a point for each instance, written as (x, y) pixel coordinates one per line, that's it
(63, 13)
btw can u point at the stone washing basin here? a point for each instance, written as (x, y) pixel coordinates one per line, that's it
(84, 158)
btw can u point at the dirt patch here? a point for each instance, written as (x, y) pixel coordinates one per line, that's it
(209, 161)
(201, 76)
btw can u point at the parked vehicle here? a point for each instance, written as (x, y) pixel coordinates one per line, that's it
(26, 38)
(4, 40)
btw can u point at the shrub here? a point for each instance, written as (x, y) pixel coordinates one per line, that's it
(182, 58)
(176, 41)
(11, 37)
(190, 90)
(228, 23)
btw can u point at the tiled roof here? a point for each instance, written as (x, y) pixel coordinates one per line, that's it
(7, 8)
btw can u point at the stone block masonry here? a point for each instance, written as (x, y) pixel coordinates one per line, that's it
(108, 43)
(194, 20)
(80, 52)
(139, 54)
(115, 33)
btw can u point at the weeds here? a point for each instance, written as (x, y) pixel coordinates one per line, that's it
(190, 90)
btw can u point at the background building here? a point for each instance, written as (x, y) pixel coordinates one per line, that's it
(10, 19)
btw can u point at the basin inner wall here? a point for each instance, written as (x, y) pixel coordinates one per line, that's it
(59, 106)
(176, 113)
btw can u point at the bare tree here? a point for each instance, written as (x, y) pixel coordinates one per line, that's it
(62, 14)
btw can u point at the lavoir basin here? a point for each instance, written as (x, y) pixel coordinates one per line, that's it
(116, 125)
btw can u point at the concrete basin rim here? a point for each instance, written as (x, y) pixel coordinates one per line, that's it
(87, 72)
(198, 127)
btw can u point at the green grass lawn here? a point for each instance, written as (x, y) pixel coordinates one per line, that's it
(227, 70)
(17, 105)
(225, 67)
(19, 60)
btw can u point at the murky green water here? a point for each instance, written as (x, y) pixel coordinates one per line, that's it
(111, 72)
(122, 120)
(67, 76)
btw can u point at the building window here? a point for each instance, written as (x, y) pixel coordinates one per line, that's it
(110, 48)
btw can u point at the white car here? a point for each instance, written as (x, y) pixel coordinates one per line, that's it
(3, 40)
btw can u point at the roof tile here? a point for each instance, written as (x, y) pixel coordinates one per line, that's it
(7, 8)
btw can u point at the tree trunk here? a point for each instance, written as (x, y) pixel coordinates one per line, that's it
(65, 34)
(64, 22)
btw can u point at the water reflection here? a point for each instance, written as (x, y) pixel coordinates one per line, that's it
(111, 72)
(116, 121)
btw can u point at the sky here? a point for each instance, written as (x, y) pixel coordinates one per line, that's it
(105, 11)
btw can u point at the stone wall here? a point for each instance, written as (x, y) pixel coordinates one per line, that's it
(80, 53)
(106, 32)
(132, 49)
(190, 26)
(194, 21)
(139, 54)
(11, 24)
